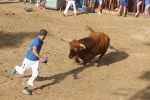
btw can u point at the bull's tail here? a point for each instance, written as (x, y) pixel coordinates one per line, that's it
(89, 28)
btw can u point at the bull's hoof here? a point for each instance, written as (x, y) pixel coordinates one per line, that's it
(95, 64)
(80, 63)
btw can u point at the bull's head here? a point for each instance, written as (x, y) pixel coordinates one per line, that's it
(75, 48)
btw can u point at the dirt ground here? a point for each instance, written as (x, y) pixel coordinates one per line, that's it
(122, 74)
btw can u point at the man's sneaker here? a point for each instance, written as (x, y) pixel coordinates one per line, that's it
(124, 15)
(116, 9)
(37, 5)
(75, 14)
(99, 13)
(119, 14)
(13, 71)
(137, 14)
(64, 15)
(26, 91)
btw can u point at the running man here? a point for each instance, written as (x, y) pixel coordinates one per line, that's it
(32, 60)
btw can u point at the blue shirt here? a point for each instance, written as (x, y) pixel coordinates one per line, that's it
(37, 42)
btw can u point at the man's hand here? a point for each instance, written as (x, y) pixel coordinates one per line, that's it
(45, 61)
(42, 59)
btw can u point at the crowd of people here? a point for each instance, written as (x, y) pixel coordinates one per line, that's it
(121, 6)
(118, 5)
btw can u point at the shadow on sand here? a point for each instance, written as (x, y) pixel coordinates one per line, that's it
(109, 58)
(147, 44)
(143, 94)
(8, 39)
(9, 2)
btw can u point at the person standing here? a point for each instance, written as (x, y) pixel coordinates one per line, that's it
(147, 7)
(139, 2)
(70, 2)
(117, 5)
(100, 7)
(93, 6)
(123, 4)
(32, 60)
(110, 4)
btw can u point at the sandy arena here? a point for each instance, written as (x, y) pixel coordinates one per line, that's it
(122, 74)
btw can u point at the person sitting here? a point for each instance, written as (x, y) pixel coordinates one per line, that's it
(139, 2)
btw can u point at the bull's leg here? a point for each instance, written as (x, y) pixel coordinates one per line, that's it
(76, 58)
(100, 57)
(84, 62)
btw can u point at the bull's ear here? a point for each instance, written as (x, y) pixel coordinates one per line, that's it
(81, 48)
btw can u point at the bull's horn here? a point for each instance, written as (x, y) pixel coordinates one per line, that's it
(83, 46)
(66, 40)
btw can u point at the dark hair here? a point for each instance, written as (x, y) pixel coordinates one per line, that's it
(43, 32)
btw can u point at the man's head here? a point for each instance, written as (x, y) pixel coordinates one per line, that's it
(43, 34)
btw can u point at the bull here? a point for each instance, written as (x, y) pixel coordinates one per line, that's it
(89, 47)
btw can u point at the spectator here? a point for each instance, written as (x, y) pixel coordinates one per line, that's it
(85, 3)
(110, 4)
(37, 3)
(66, 2)
(139, 2)
(68, 5)
(31, 1)
(93, 6)
(117, 5)
(123, 4)
(147, 7)
(100, 7)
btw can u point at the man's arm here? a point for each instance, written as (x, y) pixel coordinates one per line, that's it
(36, 53)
